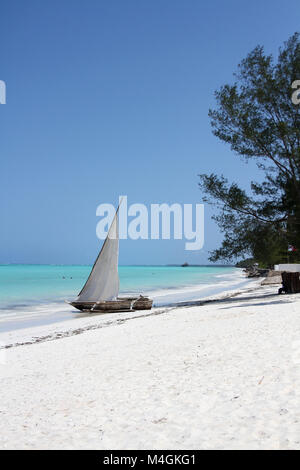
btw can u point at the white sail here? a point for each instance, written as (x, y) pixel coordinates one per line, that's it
(103, 281)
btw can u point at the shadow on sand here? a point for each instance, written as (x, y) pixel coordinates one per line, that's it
(254, 300)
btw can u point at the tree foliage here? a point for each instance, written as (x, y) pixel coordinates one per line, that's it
(257, 118)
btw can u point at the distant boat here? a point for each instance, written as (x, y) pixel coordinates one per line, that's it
(185, 265)
(101, 290)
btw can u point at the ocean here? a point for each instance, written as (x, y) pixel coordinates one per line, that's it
(28, 291)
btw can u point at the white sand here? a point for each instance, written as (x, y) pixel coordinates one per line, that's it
(220, 376)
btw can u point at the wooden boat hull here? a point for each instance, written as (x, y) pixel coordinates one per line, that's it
(125, 304)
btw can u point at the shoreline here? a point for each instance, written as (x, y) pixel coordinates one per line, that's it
(39, 314)
(27, 289)
(33, 334)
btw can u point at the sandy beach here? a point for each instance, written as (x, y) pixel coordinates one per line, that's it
(223, 375)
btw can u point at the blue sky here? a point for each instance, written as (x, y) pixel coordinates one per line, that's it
(111, 97)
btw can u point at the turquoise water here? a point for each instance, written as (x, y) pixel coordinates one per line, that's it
(31, 284)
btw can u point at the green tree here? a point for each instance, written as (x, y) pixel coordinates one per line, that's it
(258, 119)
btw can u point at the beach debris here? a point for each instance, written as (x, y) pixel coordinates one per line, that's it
(160, 421)
(254, 271)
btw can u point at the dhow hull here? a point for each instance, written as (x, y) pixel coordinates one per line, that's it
(125, 304)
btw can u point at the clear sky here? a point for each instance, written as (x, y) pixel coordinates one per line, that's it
(110, 97)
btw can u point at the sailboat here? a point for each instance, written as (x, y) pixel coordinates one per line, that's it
(100, 293)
